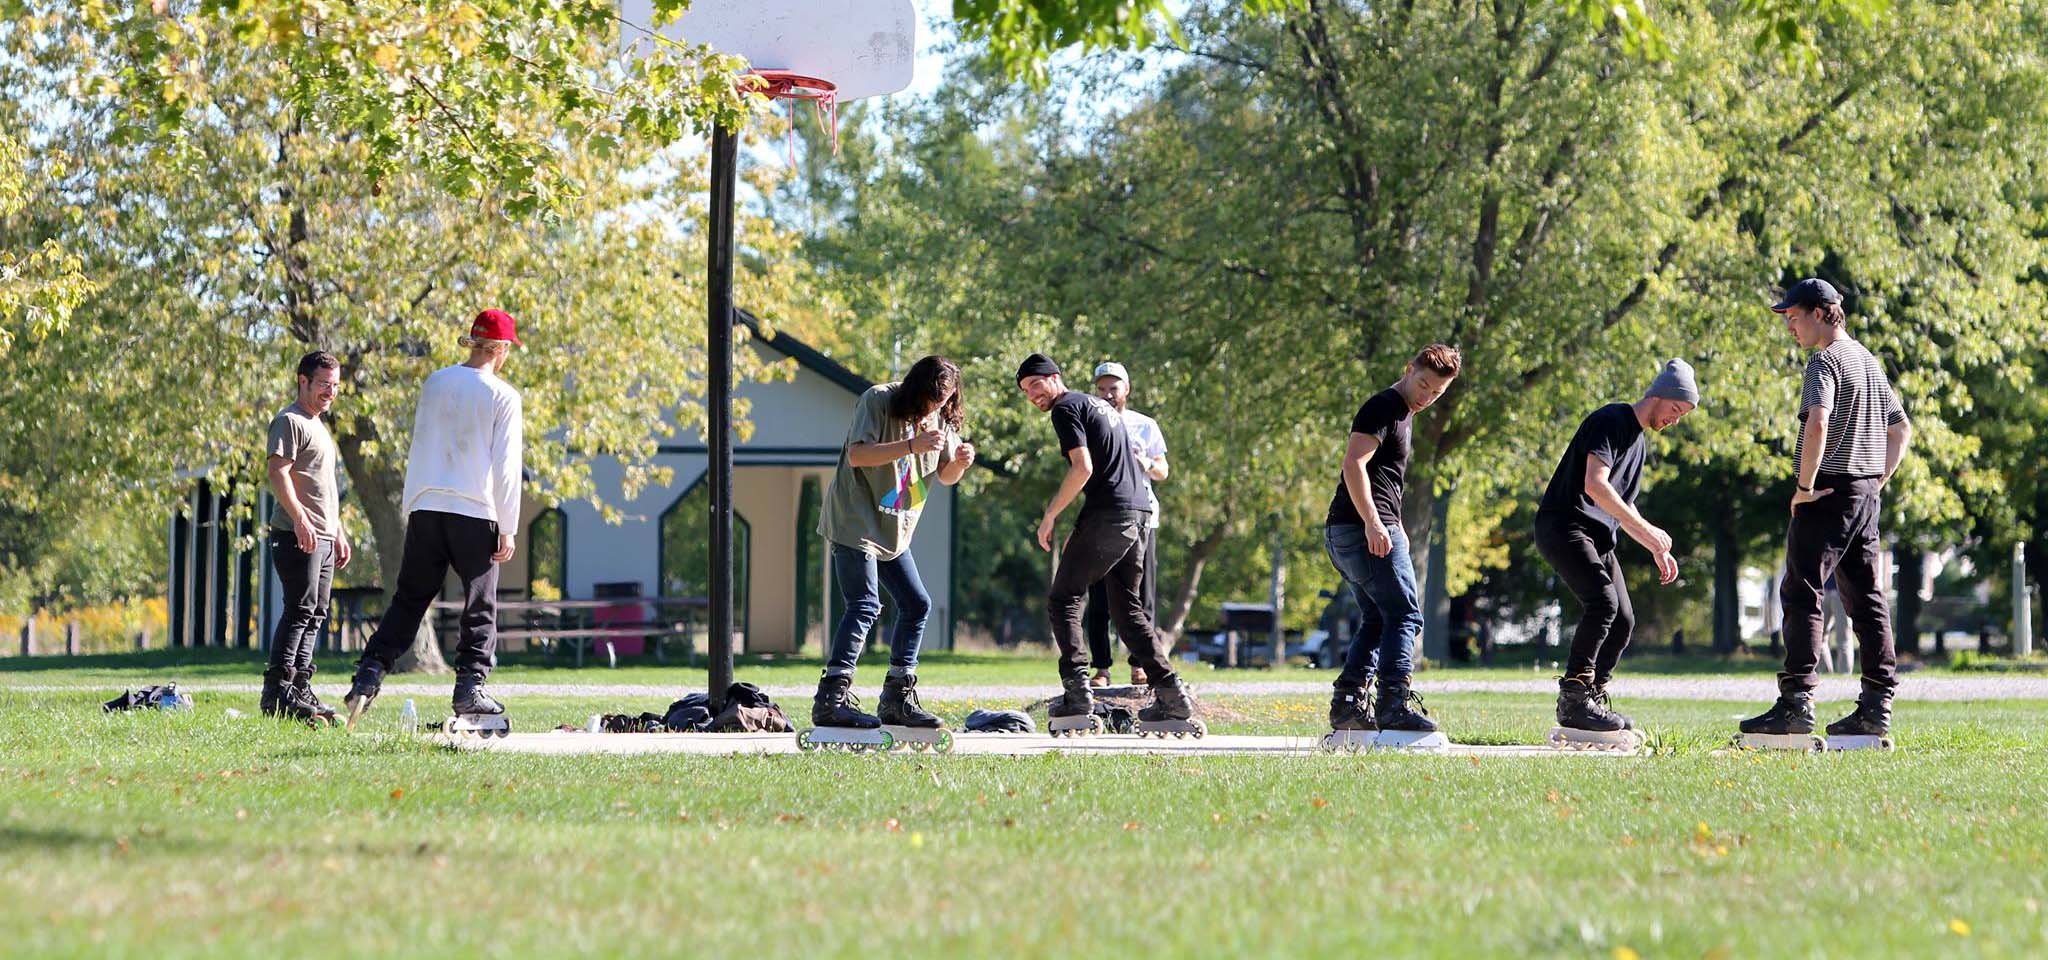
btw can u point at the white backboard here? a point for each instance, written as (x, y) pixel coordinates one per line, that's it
(866, 47)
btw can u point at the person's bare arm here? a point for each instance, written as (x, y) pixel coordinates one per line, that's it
(1896, 438)
(1815, 445)
(954, 468)
(1357, 451)
(1653, 538)
(1079, 468)
(882, 454)
(1157, 468)
(281, 488)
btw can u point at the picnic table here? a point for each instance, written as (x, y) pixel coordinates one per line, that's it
(582, 625)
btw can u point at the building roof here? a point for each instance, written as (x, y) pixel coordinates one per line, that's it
(805, 355)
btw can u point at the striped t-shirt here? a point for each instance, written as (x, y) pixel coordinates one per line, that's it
(1850, 383)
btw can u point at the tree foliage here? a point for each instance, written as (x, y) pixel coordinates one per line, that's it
(230, 242)
(1268, 230)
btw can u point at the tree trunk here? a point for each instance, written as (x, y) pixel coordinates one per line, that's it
(379, 489)
(1727, 594)
(1191, 581)
(1909, 562)
(1423, 518)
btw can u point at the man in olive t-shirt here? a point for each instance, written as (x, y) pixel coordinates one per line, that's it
(307, 542)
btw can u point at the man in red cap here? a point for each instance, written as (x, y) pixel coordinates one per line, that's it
(461, 505)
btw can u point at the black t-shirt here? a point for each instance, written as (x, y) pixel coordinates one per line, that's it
(1612, 434)
(1080, 419)
(1384, 416)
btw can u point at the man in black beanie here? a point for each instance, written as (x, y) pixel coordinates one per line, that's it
(1591, 497)
(1107, 545)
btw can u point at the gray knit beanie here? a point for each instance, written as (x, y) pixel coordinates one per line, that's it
(1675, 382)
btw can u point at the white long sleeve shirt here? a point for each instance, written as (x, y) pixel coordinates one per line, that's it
(467, 443)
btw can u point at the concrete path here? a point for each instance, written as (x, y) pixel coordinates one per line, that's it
(1759, 688)
(964, 745)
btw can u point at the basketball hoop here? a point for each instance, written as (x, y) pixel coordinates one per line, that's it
(823, 96)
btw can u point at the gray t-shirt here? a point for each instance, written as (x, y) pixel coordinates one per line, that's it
(305, 440)
(875, 509)
(1844, 378)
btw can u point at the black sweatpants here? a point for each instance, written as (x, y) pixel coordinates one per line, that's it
(1100, 653)
(308, 580)
(1586, 562)
(1836, 536)
(434, 542)
(1107, 546)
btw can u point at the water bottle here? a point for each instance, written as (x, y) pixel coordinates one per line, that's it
(409, 718)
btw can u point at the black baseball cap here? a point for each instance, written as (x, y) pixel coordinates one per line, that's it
(1809, 293)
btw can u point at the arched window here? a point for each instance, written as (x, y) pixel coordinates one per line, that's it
(547, 555)
(685, 551)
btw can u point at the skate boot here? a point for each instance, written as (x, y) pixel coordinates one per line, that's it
(838, 722)
(1402, 726)
(906, 720)
(1172, 712)
(1585, 723)
(1869, 727)
(1787, 725)
(475, 712)
(1072, 714)
(362, 689)
(1351, 725)
(1600, 696)
(275, 681)
(302, 685)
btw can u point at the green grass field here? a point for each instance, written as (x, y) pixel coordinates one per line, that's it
(192, 834)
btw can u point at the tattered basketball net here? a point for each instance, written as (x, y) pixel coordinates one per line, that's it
(792, 86)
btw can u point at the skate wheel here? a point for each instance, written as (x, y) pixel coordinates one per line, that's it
(945, 744)
(1201, 730)
(919, 746)
(1354, 747)
(1328, 743)
(803, 741)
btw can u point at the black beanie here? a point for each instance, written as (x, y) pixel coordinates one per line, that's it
(1037, 365)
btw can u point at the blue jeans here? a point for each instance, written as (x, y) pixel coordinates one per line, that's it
(1385, 588)
(858, 573)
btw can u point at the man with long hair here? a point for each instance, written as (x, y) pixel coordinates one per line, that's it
(461, 505)
(1369, 548)
(1853, 433)
(903, 434)
(1106, 545)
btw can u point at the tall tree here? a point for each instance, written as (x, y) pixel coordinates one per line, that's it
(240, 238)
(1280, 218)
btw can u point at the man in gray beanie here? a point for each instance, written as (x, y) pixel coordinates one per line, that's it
(1591, 497)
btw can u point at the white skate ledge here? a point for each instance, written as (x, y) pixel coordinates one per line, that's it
(964, 744)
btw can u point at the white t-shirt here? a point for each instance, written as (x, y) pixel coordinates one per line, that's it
(1148, 442)
(467, 443)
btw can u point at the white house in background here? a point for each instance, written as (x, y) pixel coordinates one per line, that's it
(784, 597)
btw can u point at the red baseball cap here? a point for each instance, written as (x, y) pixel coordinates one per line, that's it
(495, 325)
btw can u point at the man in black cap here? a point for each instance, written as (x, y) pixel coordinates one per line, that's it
(1107, 545)
(1591, 496)
(1853, 435)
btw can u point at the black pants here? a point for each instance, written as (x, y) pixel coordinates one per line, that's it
(434, 542)
(1108, 546)
(1586, 561)
(1836, 536)
(308, 580)
(1100, 653)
